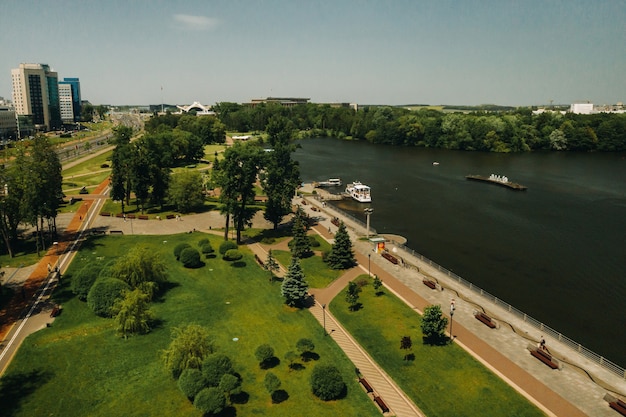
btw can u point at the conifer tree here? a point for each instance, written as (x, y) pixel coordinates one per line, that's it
(341, 255)
(294, 288)
(300, 245)
(271, 265)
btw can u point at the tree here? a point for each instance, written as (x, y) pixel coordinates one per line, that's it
(377, 284)
(103, 294)
(327, 383)
(271, 265)
(433, 324)
(341, 255)
(305, 346)
(294, 287)
(190, 345)
(83, 280)
(271, 382)
(406, 344)
(141, 268)
(190, 258)
(210, 400)
(185, 191)
(264, 354)
(230, 384)
(352, 295)
(214, 367)
(191, 382)
(300, 245)
(121, 165)
(132, 313)
(281, 176)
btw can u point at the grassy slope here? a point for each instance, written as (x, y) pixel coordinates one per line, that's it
(80, 367)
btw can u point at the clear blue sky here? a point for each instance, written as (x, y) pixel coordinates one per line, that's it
(518, 52)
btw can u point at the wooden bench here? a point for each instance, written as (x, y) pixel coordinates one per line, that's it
(259, 260)
(105, 214)
(55, 311)
(335, 221)
(379, 401)
(619, 406)
(485, 319)
(120, 215)
(170, 216)
(429, 283)
(131, 216)
(366, 385)
(116, 232)
(544, 357)
(143, 217)
(390, 258)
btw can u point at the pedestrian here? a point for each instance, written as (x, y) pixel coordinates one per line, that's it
(542, 343)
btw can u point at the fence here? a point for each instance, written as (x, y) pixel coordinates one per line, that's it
(600, 360)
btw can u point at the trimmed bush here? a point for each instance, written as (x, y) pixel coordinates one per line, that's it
(83, 280)
(203, 241)
(327, 383)
(210, 400)
(207, 249)
(215, 367)
(264, 353)
(179, 248)
(233, 255)
(314, 242)
(190, 258)
(103, 294)
(226, 246)
(191, 382)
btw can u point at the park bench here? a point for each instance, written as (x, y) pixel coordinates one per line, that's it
(55, 311)
(170, 216)
(131, 216)
(366, 385)
(116, 232)
(544, 357)
(429, 283)
(619, 406)
(390, 258)
(143, 217)
(379, 401)
(335, 221)
(120, 215)
(259, 260)
(485, 319)
(105, 214)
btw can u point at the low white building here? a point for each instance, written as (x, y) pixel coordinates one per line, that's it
(581, 108)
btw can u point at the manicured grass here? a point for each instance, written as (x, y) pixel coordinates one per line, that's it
(441, 380)
(80, 367)
(317, 273)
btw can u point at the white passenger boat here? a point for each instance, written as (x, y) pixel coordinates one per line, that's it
(332, 182)
(360, 192)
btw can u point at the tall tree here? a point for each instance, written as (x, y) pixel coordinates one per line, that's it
(141, 268)
(185, 191)
(281, 175)
(433, 324)
(132, 313)
(190, 345)
(352, 295)
(121, 165)
(341, 255)
(300, 245)
(294, 288)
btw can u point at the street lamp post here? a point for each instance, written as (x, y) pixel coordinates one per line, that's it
(369, 260)
(368, 212)
(324, 317)
(452, 308)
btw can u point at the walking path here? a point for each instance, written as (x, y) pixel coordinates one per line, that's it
(563, 392)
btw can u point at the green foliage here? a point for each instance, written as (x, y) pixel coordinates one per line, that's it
(179, 248)
(300, 245)
(103, 294)
(191, 382)
(226, 246)
(341, 255)
(190, 258)
(433, 324)
(141, 268)
(207, 249)
(132, 313)
(210, 400)
(327, 383)
(84, 279)
(233, 255)
(203, 241)
(230, 384)
(294, 288)
(264, 353)
(271, 382)
(185, 191)
(190, 345)
(313, 241)
(352, 295)
(214, 367)
(305, 345)
(377, 283)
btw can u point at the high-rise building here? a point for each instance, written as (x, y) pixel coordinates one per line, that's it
(36, 94)
(74, 84)
(65, 102)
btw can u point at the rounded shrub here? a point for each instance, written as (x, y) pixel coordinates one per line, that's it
(203, 241)
(207, 249)
(313, 241)
(215, 367)
(103, 294)
(190, 258)
(233, 255)
(227, 245)
(327, 383)
(179, 248)
(210, 400)
(83, 280)
(191, 382)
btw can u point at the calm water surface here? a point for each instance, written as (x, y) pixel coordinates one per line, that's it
(556, 251)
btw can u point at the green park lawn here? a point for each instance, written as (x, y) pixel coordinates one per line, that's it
(441, 380)
(80, 367)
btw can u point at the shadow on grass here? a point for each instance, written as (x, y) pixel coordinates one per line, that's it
(240, 398)
(279, 396)
(296, 366)
(436, 340)
(228, 411)
(309, 356)
(17, 387)
(356, 307)
(238, 264)
(270, 363)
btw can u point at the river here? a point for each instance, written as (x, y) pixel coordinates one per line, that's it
(556, 251)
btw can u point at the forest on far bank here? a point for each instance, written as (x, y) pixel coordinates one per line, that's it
(516, 130)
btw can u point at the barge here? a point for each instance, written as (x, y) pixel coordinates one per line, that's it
(498, 180)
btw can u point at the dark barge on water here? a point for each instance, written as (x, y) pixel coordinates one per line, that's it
(498, 180)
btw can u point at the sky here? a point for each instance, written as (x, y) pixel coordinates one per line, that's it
(470, 52)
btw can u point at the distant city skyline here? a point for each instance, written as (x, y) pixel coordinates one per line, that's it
(368, 52)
